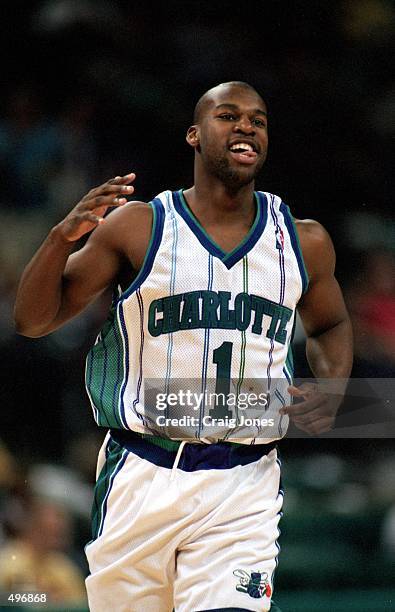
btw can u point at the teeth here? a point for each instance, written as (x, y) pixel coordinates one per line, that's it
(241, 145)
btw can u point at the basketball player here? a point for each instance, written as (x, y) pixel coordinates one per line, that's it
(206, 285)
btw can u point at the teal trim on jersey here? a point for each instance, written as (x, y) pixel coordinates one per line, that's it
(258, 218)
(206, 348)
(293, 232)
(116, 457)
(105, 373)
(289, 361)
(254, 234)
(243, 345)
(243, 333)
(107, 361)
(288, 368)
(248, 242)
(172, 284)
(305, 274)
(195, 222)
(156, 237)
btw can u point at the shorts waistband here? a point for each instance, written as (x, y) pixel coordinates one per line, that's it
(195, 456)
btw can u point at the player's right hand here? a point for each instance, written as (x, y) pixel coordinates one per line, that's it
(90, 210)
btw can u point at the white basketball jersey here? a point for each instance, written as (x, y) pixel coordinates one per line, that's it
(220, 322)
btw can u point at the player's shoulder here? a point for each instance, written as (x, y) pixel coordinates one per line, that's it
(138, 212)
(127, 231)
(132, 215)
(124, 226)
(317, 247)
(312, 234)
(135, 210)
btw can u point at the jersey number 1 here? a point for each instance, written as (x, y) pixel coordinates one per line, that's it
(222, 356)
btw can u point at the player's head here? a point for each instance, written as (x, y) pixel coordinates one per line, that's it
(228, 115)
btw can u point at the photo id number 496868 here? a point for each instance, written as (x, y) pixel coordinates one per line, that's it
(27, 598)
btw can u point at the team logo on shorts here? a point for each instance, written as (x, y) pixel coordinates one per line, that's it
(256, 584)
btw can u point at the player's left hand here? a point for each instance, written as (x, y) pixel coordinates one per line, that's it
(315, 413)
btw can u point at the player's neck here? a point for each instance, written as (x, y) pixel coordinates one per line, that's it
(217, 203)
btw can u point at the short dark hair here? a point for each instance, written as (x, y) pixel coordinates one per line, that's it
(203, 100)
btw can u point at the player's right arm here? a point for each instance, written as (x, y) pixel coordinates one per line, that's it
(56, 285)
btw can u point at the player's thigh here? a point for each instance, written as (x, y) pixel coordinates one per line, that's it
(231, 559)
(131, 557)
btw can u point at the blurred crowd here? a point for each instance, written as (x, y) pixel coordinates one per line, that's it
(120, 98)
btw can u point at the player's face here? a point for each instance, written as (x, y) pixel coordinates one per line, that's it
(233, 137)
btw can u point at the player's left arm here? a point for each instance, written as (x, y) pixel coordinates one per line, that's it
(328, 330)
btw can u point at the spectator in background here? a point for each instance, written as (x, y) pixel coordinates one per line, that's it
(30, 144)
(34, 561)
(46, 159)
(77, 162)
(371, 301)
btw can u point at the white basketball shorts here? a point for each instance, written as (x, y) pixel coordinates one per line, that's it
(187, 527)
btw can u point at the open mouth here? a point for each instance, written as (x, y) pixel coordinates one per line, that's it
(243, 152)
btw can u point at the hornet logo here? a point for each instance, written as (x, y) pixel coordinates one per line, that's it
(256, 584)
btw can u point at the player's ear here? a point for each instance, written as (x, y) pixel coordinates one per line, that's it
(192, 136)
